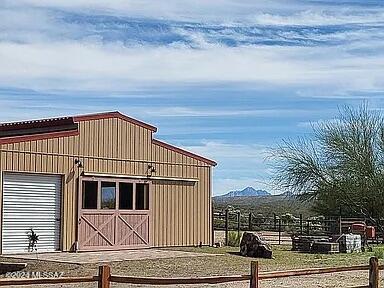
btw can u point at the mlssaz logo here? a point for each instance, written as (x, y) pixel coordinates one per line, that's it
(34, 274)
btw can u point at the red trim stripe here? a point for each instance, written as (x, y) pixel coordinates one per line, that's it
(184, 152)
(16, 139)
(114, 114)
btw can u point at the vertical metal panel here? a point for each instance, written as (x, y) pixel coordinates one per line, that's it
(181, 211)
(31, 202)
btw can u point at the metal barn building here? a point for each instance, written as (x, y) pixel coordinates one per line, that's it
(100, 182)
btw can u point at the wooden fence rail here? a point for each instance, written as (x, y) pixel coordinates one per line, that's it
(104, 278)
(175, 281)
(59, 280)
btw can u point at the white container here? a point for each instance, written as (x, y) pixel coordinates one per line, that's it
(350, 243)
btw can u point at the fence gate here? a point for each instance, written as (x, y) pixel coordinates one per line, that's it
(113, 215)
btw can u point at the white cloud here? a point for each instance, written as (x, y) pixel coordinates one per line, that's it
(164, 9)
(212, 112)
(314, 124)
(266, 12)
(213, 149)
(89, 66)
(40, 55)
(247, 161)
(323, 16)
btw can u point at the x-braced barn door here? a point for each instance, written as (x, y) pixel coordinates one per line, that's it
(113, 214)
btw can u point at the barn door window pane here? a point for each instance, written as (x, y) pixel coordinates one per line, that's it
(89, 195)
(142, 196)
(108, 195)
(126, 196)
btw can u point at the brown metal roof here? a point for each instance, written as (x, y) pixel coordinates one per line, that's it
(59, 124)
(33, 127)
(184, 152)
(114, 114)
(13, 132)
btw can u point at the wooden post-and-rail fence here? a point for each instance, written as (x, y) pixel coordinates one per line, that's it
(105, 278)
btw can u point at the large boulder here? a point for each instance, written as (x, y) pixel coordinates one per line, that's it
(252, 245)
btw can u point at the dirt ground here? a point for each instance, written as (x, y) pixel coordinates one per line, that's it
(228, 262)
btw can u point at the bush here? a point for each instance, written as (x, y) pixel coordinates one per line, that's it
(233, 239)
(379, 252)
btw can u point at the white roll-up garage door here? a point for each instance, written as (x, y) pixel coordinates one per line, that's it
(31, 201)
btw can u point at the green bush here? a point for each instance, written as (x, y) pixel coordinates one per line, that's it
(379, 252)
(233, 239)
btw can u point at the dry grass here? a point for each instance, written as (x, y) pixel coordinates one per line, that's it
(284, 259)
(227, 263)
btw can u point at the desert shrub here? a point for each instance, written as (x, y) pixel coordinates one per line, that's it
(233, 239)
(379, 252)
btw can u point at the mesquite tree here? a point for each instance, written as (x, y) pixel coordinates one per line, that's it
(341, 167)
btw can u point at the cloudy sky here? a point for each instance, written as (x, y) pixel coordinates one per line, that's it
(225, 78)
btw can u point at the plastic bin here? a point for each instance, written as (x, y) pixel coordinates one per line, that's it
(350, 243)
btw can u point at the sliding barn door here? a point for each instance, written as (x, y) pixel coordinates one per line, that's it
(113, 215)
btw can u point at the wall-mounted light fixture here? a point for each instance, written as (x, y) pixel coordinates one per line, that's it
(78, 163)
(151, 169)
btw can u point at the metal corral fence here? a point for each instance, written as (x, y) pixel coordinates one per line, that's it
(286, 225)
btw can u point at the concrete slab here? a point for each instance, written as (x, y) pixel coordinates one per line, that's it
(106, 256)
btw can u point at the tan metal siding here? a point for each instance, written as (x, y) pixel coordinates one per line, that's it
(38, 157)
(180, 211)
(96, 146)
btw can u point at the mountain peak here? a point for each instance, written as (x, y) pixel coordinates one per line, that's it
(247, 191)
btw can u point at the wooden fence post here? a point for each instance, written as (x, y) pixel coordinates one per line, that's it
(254, 274)
(226, 226)
(250, 221)
(374, 274)
(279, 231)
(104, 276)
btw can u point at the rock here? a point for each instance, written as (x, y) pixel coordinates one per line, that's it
(252, 245)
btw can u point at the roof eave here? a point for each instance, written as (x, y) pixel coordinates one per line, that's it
(184, 152)
(42, 136)
(114, 114)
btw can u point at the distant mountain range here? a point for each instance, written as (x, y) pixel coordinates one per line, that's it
(248, 191)
(262, 202)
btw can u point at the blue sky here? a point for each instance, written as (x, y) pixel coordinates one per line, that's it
(225, 78)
